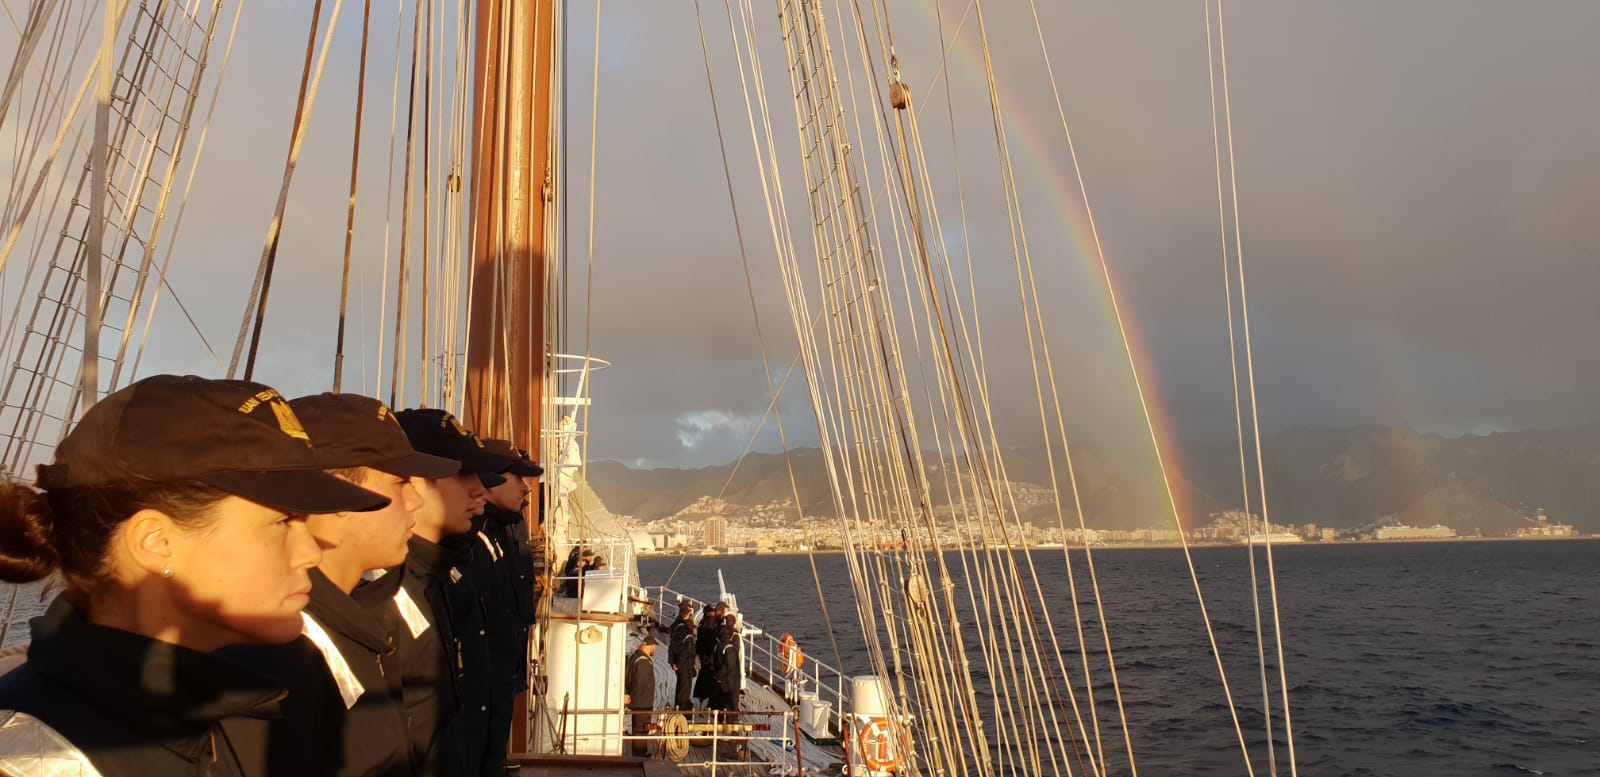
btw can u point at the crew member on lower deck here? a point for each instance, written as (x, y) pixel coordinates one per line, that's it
(705, 647)
(640, 693)
(681, 655)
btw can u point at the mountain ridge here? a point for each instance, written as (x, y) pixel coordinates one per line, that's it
(1335, 477)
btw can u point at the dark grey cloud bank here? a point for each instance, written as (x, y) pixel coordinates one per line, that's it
(1415, 185)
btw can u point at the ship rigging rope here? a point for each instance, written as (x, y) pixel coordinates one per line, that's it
(882, 393)
(863, 593)
(993, 442)
(168, 182)
(49, 76)
(1034, 646)
(256, 304)
(776, 213)
(183, 206)
(388, 196)
(350, 210)
(141, 63)
(1244, 308)
(766, 367)
(1238, 412)
(1020, 703)
(588, 286)
(973, 340)
(400, 363)
(66, 127)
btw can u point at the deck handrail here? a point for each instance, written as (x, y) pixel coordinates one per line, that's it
(762, 649)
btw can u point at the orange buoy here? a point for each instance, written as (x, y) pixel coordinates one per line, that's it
(790, 654)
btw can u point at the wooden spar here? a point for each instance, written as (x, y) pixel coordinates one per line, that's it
(511, 149)
(512, 97)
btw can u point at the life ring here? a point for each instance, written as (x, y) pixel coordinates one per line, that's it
(878, 747)
(792, 656)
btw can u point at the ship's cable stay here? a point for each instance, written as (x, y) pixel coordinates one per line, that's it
(191, 97)
(399, 363)
(1033, 654)
(53, 71)
(998, 463)
(160, 66)
(425, 13)
(972, 340)
(29, 40)
(1035, 649)
(388, 196)
(183, 205)
(350, 210)
(16, 213)
(865, 596)
(310, 82)
(1214, 64)
(1238, 412)
(447, 392)
(775, 392)
(857, 380)
(1037, 344)
(911, 568)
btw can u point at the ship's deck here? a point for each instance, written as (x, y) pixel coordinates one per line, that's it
(595, 766)
(769, 751)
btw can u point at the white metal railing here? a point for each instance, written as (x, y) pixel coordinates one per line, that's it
(672, 735)
(618, 555)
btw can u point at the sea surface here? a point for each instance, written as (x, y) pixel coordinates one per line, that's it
(1410, 659)
(1446, 659)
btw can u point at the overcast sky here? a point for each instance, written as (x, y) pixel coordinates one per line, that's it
(1416, 186)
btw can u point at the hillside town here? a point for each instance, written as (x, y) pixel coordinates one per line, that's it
(716, 526)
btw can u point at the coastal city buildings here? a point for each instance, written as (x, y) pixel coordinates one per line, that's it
(712, 525)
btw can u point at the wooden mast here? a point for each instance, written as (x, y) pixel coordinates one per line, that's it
(512, 109)
(513, 97)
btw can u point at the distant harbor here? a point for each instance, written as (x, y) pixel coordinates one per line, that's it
(725, 535)
(1297, 541)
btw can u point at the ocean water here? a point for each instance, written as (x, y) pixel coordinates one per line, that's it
(1411, 660)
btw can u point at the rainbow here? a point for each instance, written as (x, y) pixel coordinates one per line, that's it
(1044, 148)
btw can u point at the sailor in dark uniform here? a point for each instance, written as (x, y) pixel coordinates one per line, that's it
(681, 654)
(705, 647)
(502, 575)
(640, 693)
(174, 512)
(729, 670)
(351, 650)
(431, 610)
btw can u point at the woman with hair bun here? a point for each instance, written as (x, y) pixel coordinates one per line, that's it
(174, 513)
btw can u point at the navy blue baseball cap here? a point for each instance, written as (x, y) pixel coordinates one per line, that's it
(234, 435)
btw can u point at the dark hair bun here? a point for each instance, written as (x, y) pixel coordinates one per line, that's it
(26, 528)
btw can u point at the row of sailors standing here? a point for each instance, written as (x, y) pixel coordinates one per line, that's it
(253, 586)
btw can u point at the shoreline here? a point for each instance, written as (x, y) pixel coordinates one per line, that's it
(1164, 546)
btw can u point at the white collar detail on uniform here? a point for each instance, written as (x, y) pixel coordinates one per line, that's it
(411, 613)
(494, 548)
(350, 688)
(29, 748)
